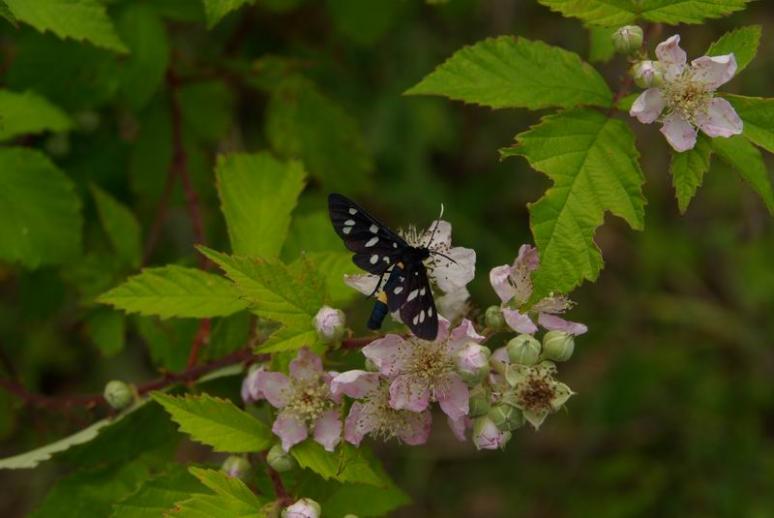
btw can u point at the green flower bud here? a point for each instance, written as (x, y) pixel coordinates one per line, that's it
(279, 459)
(478, 404)
(236, 467)
(647, 73)
(118, 394)
(558, 346)
(627, 39)
(524, 350)
(305, 507)
(505, 417)
(486, 435)
(493, 318)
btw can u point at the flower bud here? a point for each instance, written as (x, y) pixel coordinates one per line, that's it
(506, 417)
(58, 145)
(478, 404)
(486, 435)
(303, 508)
(627, 39)
(330, 324)
(236, 467)
(558, 346)
(279, 459)
(493, 318)
(647, 73)
(118, 394)
(473, 362)
(524, 350)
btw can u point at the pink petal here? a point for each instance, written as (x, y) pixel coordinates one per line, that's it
(453, 304)
(720, 119)
(462, 334)
(555, 323)
(289, 429)
(250, 390)
(714, 71)
(443, 329)
(453, 396)
(388, 354)
(519, 322)
(528, 258)
(648, 106)
(275, 386)
(359, 422)
(679, 133)
(306, 365)
(472, 358)
(499, 279)
(355, 383)
(670, 53)
(454, 274)
(459, 426)
(327, 430)
(364, 283)
(408, 393)
(489, 437)
(416, 429)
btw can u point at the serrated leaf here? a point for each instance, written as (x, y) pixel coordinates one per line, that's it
(743, 42)
(592, 161)
(609, 13)
(257, 195)
(746, 160)
(345, 464)
(334, 266)
(217, 9)
(758, 116)
(77, 19)
(509, 72)
(217, 423)
(687, 169)
(214, 506)
(107, 329)
(41, 218)
(289, 338)
(158, 494)
(223, 485)
(341, 499)
(303, 123)
(175, 291)
(121, 227)
(28, 113)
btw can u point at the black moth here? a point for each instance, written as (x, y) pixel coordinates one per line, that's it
(380, 251)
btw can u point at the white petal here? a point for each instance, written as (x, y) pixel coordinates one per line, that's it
(670, 53)
(720, 119)
(441, 235)
(648, 106)
(714, 71)
(455, 274)
(454, 304)
(498, 278)
(519, 322)
(679, 133)
(365, 283)
(355, 383)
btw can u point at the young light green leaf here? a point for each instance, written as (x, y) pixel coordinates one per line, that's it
(334, 266)
(159, 494)
(257, 195)
(28, 113)
(508, 72)
(289, 338)
(592, 160)
(609, 13)
(216, 422)
(175, 291)
(107, 329)
(215, 506)
(121, 227)
(758, 116)
(217, 9)
(743, 42)
(345, 464)
(223, 485)
(746, 160)
(41, 214)
(7, 14)
(688, 170)
(77, 19)
(303, 123)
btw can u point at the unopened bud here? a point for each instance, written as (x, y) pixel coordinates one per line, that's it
(304, 508)
(478, 404)
(506, 417)
(330, 324)
(118, 394)
(493, 318)
(647, 73)
(486, 435)
(627, 39)
(236, 467)
(524, 350)
(473, 362)
(279, 459)
(558, 346)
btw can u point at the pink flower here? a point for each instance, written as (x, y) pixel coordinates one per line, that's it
(303, 508)
(513, 284)
(304, 401)
(329, 324)
(250, 391)
(421, 371)
(372, 413)
(685, 96)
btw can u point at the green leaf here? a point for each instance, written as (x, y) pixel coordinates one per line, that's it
(508, 72)
(303, 123)
(345, 464)
(41, 214)
(7, 14)
(77, 19)
(107, 329)
(175, 291)
(746, 160)
(743, 42)
(215, 506)
(121, 227)
(758, 116)
(688, 170)
(593, 162)
(339, 500)
(609, 13)
(168, 341)
(601, 47)
(217, 9)
(289, 338)
(217, 423)
(257, 195)
(159, 494)
(333, 266)
(28, 113)
(207, 108)
(151, 154)
(363, 22)
(223, 485)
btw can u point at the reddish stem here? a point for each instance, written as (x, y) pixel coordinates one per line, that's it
(276, 481)
(201, 338)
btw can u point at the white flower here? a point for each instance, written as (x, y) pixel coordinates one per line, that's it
(685, 98)
(330, 324)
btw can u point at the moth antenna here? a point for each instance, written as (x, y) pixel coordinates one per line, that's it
(444, 256)
(435, 227)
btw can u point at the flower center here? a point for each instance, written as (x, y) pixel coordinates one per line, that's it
(310, 399)
(536, 394)
(686, 96)
(430, 362)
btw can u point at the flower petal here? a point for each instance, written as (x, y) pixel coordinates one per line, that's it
(555, 323)
(327, 430)
(452, 305)
(454, 274)
(461, 335)
(364, 283)
(388, 354)
(720, 119)
(290, 429)
(441, 236)
(459, 426)
(359, 422)
(306, 365)
(499, 278)
(670, 53)
(486, 436)
(519, 322)
(453, 396)
(250, 390)
(275, 387)
(416, 428)
(713, 71)
(679, 133)
(528, 258)
(648, 106)
(355, 383)
(409, 393)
